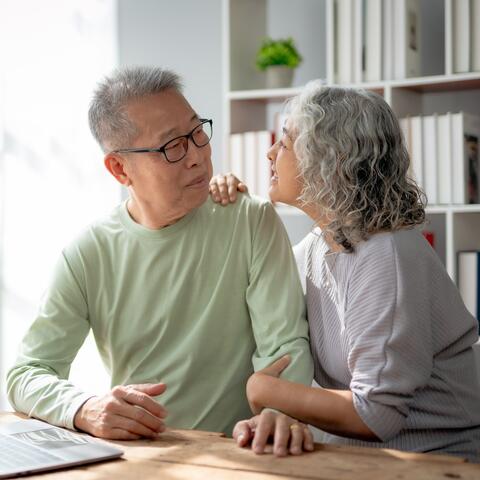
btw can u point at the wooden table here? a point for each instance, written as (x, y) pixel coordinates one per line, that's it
(193, 455)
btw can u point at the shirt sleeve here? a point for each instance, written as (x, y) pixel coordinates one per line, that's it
(275, 301)
(37, 384)
(387, 322)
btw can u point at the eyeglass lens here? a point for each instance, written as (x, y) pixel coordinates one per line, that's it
(177, 148)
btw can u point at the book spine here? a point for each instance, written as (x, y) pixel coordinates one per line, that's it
(444, 158)
(373, 40)
(430, 157)
(477, 279)
(461, 35)
(475, 29)
(458, 173)
(388, 33)
(399, 25)
(468, 281)
(236, 155)
(264, 142)
(471, 152)
(417, 150)
(412, 38)
(357, 41)
(344, 28)
(251, 156)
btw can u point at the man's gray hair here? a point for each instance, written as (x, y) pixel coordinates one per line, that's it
(107, 115)
(353, 162)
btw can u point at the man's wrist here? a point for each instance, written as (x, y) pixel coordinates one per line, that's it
(79, 417)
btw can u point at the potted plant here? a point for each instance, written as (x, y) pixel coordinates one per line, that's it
(278, 58)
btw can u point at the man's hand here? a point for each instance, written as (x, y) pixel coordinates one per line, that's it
(223, 188)
(126, 413)
(289, 436)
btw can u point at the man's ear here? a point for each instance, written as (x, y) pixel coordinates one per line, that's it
(115, 164)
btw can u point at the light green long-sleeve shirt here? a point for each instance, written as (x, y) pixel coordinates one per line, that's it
(198, 305)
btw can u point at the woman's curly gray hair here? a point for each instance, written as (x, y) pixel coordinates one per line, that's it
(353, 163)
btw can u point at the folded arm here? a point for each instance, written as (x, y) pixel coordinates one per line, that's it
(330, 410)
(38, 383)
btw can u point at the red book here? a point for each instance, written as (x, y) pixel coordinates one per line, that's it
(430, 236)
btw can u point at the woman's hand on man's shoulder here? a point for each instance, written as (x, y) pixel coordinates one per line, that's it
(224, 188)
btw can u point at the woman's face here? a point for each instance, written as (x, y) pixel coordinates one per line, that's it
(285, 185)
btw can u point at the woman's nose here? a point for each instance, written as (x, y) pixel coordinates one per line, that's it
(272, 152)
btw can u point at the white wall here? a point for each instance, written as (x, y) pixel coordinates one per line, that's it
(184, 36)
(305, 22)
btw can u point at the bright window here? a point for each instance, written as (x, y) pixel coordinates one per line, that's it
(52, 179)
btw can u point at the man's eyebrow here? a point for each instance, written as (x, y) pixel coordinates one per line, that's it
(166, 135)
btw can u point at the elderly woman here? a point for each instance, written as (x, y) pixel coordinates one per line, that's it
(390, 335)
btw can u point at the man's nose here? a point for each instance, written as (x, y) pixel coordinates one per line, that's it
(195, 155)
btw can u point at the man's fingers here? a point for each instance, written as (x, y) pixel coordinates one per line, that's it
(242, 433)
(119, 434)
(137, 414)
(134, 394)
(134, 426)
(265, 428)
(152, 389)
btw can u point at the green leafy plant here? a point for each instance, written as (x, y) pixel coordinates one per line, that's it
(278, 52)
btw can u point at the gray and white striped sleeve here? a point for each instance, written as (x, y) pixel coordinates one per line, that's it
(387, 322)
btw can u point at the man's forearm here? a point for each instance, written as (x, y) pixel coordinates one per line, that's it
(329, 410)
(37, 392)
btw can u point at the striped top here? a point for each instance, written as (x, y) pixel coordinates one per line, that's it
(387, 323)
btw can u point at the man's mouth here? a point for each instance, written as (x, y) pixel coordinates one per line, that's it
(199, 181)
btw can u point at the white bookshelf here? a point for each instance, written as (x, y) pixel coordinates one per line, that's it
(248, 106)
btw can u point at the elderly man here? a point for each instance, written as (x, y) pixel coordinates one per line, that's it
(179, 292)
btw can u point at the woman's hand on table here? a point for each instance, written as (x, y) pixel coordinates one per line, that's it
(224, 188)
(289, 435)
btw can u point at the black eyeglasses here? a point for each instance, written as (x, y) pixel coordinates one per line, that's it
(176, 148)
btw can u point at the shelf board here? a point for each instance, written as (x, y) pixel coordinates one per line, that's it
(453, 208)
(440, 83)
(283, 209)
(264, 94)
(432, 83)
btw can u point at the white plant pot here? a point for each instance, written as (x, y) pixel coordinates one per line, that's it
(279, 76)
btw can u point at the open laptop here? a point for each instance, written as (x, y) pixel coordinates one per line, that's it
(29, 446)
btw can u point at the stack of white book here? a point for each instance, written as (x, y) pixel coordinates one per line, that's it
(468, 280)
(248, 159)
(466, 35)
(444, 156)
(376, 40)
